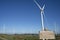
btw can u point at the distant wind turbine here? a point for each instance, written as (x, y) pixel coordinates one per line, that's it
(4, 28)
(13, 30)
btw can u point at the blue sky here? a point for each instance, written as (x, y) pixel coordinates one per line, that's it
(23, 16)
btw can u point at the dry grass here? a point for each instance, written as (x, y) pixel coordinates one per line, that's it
(22, 37)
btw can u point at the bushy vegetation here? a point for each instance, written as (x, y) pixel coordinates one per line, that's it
(22, 37)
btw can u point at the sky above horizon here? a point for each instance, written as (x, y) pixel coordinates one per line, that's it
(23, 16)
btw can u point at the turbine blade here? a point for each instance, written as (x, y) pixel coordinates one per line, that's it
(37, 4)
(43, 7)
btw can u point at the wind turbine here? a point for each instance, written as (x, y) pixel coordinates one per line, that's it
(55, 28)
(44, 34)
(13, 30)
(42, 12)
(4, 28)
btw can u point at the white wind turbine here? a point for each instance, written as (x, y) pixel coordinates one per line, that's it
(42, 12)
(44, 34)
(4, 28)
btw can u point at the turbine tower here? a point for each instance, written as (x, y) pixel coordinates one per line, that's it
(42, 12)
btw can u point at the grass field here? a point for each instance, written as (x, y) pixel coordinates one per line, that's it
(22, 37)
